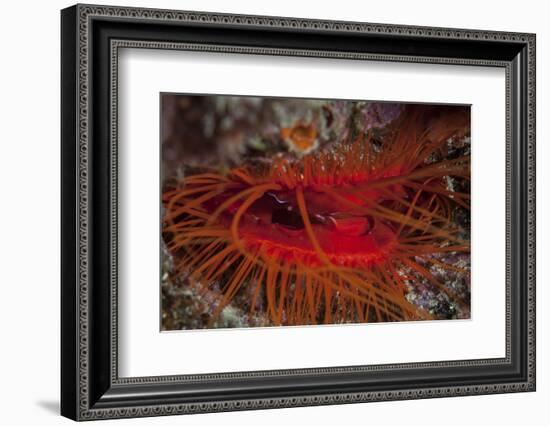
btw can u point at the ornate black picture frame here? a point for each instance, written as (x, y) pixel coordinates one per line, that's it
(91, 38)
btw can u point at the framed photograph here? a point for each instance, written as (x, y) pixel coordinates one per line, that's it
(263, 212)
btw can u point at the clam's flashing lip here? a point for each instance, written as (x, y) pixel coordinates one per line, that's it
(274, 225)
(333, 236)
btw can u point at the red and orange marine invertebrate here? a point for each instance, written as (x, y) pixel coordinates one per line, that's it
(300, 138)
(334, 236)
